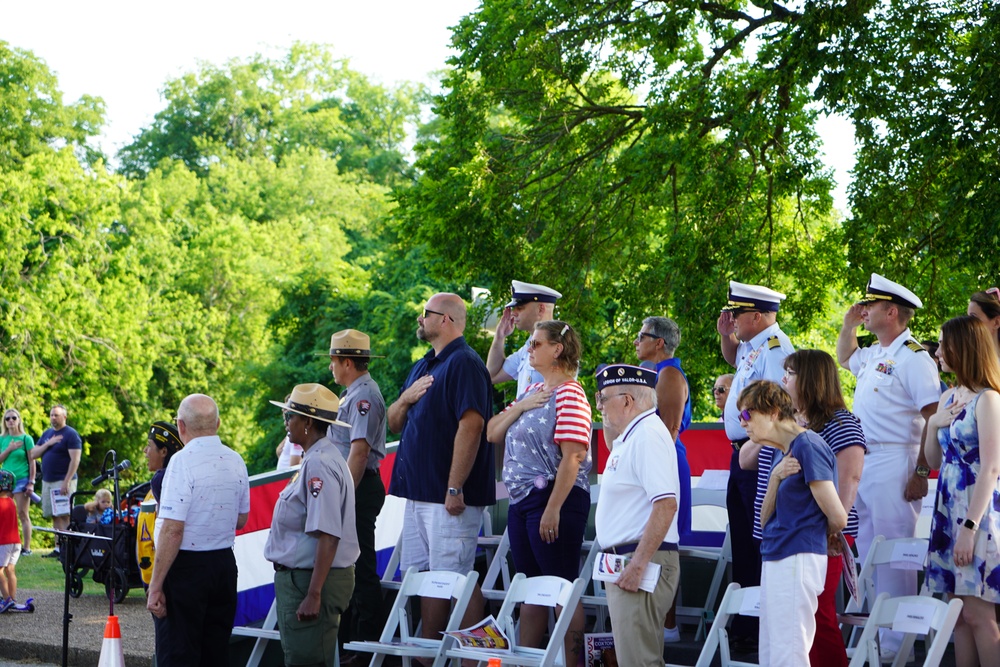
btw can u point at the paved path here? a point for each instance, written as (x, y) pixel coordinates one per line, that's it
(37, 638)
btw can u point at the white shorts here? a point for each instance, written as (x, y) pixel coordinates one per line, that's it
(9, 554)
(436, 540)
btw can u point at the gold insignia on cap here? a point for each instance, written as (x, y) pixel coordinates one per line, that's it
(621, 371)
(605, 373)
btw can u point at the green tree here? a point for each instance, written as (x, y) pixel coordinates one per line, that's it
(271, 108)
(33, 117)
(602, 148)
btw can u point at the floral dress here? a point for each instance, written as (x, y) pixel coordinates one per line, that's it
(958, 476)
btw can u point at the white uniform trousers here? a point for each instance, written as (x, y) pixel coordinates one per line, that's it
(883, 511)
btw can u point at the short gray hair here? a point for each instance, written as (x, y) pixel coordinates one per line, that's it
(644, 397)
(665, 329)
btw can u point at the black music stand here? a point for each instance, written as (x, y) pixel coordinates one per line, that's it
(65, 538)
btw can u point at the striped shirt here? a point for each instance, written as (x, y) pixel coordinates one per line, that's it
(531, 455)
(841, 432)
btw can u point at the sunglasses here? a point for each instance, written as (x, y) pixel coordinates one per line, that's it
(434, 312)
(10, 418)
(643, 334)
(287, 416)
(719, 390)
(745, 416)
(535, 342)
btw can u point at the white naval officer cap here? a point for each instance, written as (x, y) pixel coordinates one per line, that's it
(521, 293)
(883, 289)
(752, 297)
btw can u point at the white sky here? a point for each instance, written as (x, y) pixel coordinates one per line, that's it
(123, 51)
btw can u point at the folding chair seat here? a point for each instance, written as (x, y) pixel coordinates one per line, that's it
(398, 637)
(522, 589)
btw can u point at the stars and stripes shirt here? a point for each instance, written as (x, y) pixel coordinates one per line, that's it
(532, 453)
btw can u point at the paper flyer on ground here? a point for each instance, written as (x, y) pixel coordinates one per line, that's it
(485, 635)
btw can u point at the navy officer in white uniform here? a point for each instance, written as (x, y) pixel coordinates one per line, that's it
(897, 391)
(528, 305)
(638, 510)
(753, 343)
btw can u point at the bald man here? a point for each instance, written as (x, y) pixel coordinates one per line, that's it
(204, 501)
(444, 465)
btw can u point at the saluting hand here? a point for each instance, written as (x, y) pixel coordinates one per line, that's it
(854, 316)
(726, 325)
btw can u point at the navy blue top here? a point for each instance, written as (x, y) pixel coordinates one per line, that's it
(55, 460)
(798, 525)
(674, 362)
(423, 461)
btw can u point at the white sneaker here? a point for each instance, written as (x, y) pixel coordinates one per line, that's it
(671, 635)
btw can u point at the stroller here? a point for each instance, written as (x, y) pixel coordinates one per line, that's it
(87, 555)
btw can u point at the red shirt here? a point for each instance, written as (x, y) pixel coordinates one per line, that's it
(9, 532)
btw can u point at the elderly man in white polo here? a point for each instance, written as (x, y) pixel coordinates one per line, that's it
(639, 495)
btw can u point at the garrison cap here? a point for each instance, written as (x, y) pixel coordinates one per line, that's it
(618, 375)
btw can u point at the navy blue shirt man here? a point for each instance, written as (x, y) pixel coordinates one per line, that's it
(60, 448)
(444, 466)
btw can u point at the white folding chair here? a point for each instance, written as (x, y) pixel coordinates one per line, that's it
(721, 556)
(594, 599)
(941, 618)
(553, 654)
(398, 636)
(881, 553)
(498, 576)
(717, 640)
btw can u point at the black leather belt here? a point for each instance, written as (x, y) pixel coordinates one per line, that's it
(738, 443)
(629, 548)
(278, 567)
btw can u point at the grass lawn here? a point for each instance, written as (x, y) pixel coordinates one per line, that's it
(46, 574)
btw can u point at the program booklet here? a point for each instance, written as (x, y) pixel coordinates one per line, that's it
(483, 635)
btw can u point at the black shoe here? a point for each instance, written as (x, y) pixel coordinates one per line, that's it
(53, 554)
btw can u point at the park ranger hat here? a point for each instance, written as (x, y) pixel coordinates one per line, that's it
(313, 400)
(352, 343)
(618, 375)
(883, 289)
(752, 297)
(521, 293)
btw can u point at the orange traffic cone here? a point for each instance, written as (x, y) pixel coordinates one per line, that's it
(112, 654)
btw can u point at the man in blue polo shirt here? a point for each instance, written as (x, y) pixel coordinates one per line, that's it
(444, 466)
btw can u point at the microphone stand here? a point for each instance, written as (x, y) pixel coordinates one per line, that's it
(113, 573)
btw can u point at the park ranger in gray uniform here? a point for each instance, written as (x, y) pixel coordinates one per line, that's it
(363, 446)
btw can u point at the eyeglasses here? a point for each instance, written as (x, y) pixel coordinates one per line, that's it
(603, 398)
(10, 418)
(434, 312)
(643, 334)
(287, 416)
(535, 342)
(720, 390)
(745, 416)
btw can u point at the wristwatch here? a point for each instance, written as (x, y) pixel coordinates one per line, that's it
(970, 524)
(923, 471)
(452, 491)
